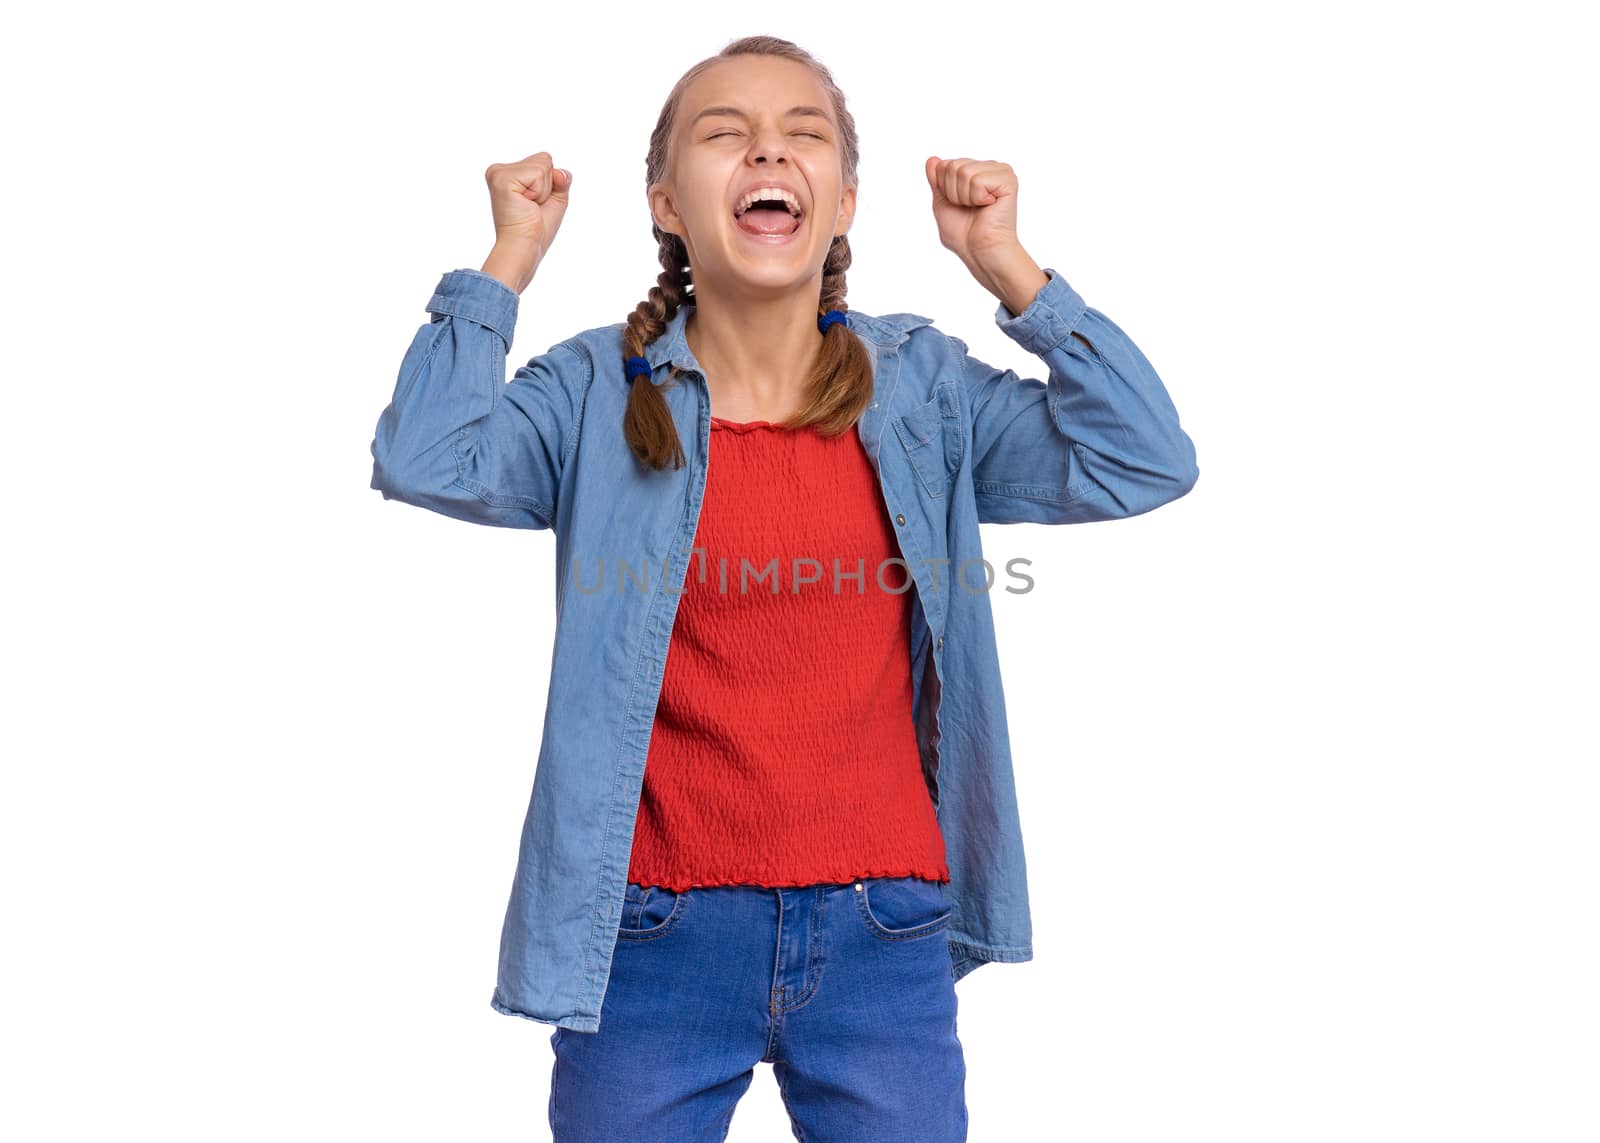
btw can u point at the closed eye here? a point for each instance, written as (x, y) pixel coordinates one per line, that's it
(720, 134)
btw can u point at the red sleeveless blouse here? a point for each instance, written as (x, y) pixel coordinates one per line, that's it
(783, 751)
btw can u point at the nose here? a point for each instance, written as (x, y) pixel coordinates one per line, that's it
(768, 148)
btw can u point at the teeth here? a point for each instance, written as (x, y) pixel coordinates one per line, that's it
(761, 193)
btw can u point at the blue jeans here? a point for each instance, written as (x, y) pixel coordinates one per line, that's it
(846, 989)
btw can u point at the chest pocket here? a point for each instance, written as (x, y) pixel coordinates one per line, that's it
(934, 439)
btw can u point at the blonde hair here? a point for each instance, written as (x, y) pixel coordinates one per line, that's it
(840, 386)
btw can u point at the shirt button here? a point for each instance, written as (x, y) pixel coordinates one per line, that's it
(941, 642)
(900, 518)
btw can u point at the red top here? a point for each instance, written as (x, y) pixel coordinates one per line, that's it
(784, 751)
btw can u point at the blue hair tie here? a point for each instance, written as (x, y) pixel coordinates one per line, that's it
(829, 318)
(637, 367)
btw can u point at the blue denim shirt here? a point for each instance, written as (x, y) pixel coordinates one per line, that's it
(955, 443)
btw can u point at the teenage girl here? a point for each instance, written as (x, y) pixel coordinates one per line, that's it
(786, 894)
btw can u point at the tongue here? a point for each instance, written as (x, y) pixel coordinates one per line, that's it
(762, 220)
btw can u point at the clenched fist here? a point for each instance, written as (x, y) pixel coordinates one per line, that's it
(529, 199)
(975, 205)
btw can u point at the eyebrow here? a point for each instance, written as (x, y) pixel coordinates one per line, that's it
(793, 112)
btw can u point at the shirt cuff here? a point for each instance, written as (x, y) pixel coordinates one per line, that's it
(478, 297)
(1049, 319)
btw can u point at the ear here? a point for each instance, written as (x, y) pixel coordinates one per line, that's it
(663, 211)
(847, 211)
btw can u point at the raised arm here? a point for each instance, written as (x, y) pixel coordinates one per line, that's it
(456, 438)
(1099, 438)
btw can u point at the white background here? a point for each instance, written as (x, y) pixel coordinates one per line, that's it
(1306, 758)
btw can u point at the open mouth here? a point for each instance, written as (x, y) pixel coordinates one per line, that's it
(770, 218)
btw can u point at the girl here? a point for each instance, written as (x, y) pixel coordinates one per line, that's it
(773, 817)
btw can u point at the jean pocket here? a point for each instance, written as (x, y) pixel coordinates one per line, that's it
(650, 911)
(900, 908)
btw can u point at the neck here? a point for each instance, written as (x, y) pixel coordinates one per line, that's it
(757, 353)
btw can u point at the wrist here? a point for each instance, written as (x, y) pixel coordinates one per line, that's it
(1011, 275)
(513, 261)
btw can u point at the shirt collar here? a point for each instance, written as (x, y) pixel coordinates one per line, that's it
(671, 346)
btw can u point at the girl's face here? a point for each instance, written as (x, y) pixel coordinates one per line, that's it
(748, 122)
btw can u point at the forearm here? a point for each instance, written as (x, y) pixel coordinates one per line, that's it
(1011, 275)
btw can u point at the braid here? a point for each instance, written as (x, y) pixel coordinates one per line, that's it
(842, 385)
(833, 268)
(647, 423)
